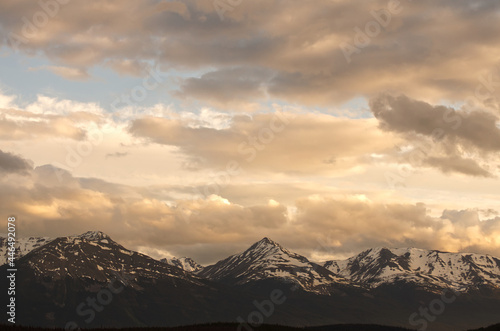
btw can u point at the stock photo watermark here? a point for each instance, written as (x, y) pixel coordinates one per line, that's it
(248, 150)
(140, 92)
(484, 90)
(428, 314)
(95, 304)
(264, 309)
(32, 26)
(11, 271)
(372, 29)
(76, 155)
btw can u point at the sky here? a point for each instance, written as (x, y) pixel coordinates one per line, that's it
(197, 127)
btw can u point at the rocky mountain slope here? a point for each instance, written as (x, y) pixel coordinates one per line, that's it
(184, 263)
(94, 255)
(73, 280)
(267, 259)
(23, 246)
(459, 271)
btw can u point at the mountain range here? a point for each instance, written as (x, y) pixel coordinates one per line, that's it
(457, 271)
(67, 281)
(185, 263)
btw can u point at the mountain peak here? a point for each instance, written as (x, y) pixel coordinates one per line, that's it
(93, 235)
(268, 241)
(266, 248)
(266, 259)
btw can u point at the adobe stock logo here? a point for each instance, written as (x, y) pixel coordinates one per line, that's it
(96, 304)
(264, 310)
(139, 93)
(363, 38)
(426, 315)
(31, 28)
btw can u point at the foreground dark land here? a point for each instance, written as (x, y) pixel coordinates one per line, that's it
(233, 326)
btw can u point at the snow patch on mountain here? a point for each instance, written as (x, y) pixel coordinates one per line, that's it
(267, 259)
(95, 256)
(26, 245)
(381, 265)
(184, 263)
(93, 236)
(23, 246)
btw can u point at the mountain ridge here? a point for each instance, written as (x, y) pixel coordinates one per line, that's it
(60, 275)
(372, 267)
(184, 263)
(268, 259)
(382, 265)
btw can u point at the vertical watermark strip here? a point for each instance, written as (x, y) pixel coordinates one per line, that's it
(11, 270)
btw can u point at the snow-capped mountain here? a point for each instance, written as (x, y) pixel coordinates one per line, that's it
(136, 290)
(460, 271)
(92, 235)
(26, 245)
(94, 255)
(23, 246)
(267, 259)
(61, 274)
(184, 263)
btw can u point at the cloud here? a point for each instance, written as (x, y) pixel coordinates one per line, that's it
(229, 87)
(459, 165)
(346, 226)
(52, 202)
(10, 163)
(49, 118)
(263, 52)
(69, 73)
(417, 52)
(128, 67)
(441, 137)
(402, 114)
(117, 154)
(213, 228)
(19, 125)
(273, 142)
(56, 203)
